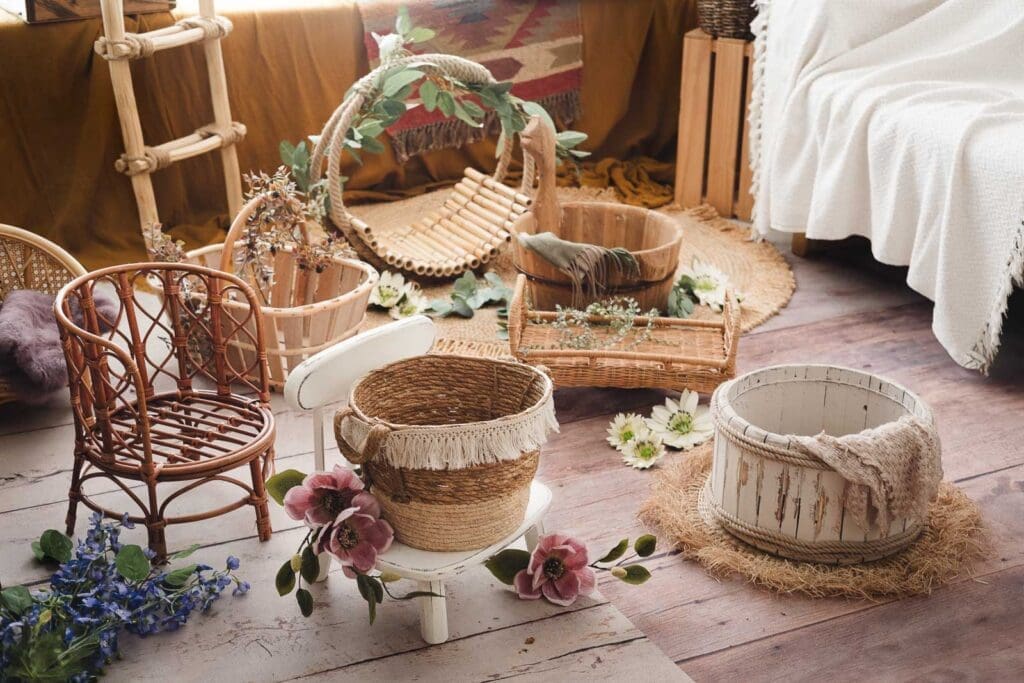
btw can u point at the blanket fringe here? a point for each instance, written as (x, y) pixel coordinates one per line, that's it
(985, 349)
(755, 107)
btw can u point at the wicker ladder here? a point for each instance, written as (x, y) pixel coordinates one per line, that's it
(140, 160)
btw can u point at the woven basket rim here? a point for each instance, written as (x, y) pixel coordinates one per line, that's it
(367, 281)
(722, 407)
(546, 395)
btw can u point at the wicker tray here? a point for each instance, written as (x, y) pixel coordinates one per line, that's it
(681, 354)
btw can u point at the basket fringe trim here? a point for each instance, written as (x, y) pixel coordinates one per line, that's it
(447, 447)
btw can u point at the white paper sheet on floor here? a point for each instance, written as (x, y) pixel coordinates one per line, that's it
(902, 121)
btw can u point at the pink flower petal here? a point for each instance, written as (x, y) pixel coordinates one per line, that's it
(588, 581)
(567, 585)
(554, 595)
(319, 480)
(524, 586)
(363, 556)
(344, 478)
(297, 502)
(367, 504)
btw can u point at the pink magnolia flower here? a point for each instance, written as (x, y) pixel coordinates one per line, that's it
(323, 495)
(557, 571)
(356, 537)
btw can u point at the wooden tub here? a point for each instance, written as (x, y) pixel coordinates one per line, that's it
(653, 239)
(775, 497)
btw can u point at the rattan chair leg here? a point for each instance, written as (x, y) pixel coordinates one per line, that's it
(74, 495)
(259, 497)
(157, 538)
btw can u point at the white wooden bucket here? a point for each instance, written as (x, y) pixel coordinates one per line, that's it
(779, 499)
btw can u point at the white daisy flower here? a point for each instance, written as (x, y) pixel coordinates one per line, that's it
(643, 450)
(623, 428)
(709, 284)
(682, 424)
(389, 290)
(411, 304)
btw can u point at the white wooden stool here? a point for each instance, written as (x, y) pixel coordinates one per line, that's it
(326, 378)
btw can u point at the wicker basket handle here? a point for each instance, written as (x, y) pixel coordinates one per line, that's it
(331, 143)
(238, 226)
(371, 445)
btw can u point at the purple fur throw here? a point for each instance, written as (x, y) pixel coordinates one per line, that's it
(31, 357)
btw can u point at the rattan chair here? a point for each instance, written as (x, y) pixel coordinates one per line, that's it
(28, 261)
(137, 391)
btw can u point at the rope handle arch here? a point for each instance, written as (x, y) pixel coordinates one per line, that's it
(372, 444)
(331, 143)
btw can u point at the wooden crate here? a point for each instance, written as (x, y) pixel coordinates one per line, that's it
(44, 11)
(712, 158)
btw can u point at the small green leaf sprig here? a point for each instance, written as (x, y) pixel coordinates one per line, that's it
(619, 314)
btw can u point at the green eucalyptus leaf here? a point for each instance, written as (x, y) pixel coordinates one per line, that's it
(37, 550)
(680, 305)
(645, 545)
(570, 138)
(371, 128)
(506, 564)
(636, 574)
(461, 307)
(473, 109)
(310, 567)
(403, 22)
(463, 115)
(499, 146)
(420, 35)
(285, 579)
(428, 93)
(393, 107)
(16, 599)
(286, 150)
(305, 600)
(373, 145)
(179, 577)
(56, 545)
(279, 484)
(132, 563)
(578, 153)
(394, 83)
(466, 284)
(441, 306)
(185, 552)
(534, 109)
(446, 103)
(615, 553)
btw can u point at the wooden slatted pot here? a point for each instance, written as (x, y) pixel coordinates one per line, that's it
(775, 497)
(652, 238)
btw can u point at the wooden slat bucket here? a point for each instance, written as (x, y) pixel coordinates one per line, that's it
(775, 497)
(653, 239)
(307, 311)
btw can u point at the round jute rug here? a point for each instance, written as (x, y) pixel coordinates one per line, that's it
(950, 543)
(755, 269)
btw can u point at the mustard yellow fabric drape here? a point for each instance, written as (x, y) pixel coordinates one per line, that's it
(288, 68)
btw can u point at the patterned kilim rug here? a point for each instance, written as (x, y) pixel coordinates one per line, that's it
(536, 44)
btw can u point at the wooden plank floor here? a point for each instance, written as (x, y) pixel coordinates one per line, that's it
(847, 311)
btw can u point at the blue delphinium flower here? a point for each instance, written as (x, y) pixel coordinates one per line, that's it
(89, 602)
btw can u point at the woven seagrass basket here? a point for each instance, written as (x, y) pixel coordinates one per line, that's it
(726, 18)
(780, 499)
(449, 445)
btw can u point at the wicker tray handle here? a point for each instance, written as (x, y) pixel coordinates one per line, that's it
(371, 445)
(332, 139)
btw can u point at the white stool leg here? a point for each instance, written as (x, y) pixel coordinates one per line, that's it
(533, 535)
(324, 560)
(318, 439)
(433, 613)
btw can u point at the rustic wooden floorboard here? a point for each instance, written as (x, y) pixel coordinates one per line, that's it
(846, 311)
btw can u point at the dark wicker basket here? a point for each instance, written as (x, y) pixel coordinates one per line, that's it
(726, 18)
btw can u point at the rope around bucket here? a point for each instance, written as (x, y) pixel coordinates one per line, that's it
(951, 541)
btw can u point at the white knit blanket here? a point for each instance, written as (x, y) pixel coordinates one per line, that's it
(902, 121)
